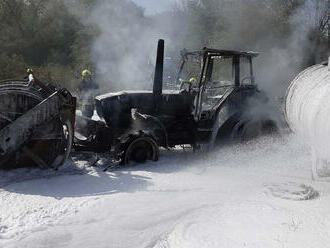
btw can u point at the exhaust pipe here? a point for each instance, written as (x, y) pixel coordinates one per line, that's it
(158, 79)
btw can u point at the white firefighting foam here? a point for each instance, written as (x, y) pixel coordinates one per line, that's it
(257, 194)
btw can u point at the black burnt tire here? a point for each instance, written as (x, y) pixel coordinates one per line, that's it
(140, 150)
(249, 130)
(246, 131)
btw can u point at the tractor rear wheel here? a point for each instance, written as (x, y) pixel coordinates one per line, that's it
(244, 131)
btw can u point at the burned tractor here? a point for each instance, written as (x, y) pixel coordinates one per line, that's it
(36, 124)
(216, 99)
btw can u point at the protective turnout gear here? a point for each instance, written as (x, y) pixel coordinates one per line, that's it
(88, 89)
(193, 80)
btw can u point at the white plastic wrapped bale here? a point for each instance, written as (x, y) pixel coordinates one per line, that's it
(307, 109)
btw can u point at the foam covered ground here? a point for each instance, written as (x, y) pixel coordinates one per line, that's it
(258, 194)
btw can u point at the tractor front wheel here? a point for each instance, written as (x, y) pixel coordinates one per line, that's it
(141, 149)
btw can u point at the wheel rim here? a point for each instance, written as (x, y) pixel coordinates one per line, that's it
(140, 150)
(67, 145)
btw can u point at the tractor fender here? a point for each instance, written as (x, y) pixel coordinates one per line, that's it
(224, 120)
(130, 141)
(151, 126)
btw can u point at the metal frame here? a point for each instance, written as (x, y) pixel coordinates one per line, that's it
(206, 54)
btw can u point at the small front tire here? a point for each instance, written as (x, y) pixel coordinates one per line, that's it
(141, 149)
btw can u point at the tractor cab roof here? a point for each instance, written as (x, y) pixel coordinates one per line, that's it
(218, 52)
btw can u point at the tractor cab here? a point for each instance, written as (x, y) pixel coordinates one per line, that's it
(213, 75)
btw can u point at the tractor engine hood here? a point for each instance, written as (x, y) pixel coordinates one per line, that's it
(114, 107)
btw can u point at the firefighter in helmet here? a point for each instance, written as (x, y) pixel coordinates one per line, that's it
(88, 89)
(193, 80)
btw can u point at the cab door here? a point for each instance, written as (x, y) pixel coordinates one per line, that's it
(217, 83)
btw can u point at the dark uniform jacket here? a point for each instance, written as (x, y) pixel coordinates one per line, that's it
(87, 86)
(87, 91)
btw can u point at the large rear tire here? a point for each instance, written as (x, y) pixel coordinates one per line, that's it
(248, 130)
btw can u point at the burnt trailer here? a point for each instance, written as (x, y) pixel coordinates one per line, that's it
(216, 100)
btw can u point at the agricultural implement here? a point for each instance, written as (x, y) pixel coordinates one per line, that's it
(36, 124)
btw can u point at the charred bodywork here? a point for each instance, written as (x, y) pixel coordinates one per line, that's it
(36, 124)
(215, 99)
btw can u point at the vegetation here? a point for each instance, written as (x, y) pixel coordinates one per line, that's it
(56, 37)
(44, 35)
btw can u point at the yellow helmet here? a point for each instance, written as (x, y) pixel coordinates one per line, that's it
(29, 70)
(193, 80)
(85, 73)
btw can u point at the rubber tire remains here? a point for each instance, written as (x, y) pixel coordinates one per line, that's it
(140, 150)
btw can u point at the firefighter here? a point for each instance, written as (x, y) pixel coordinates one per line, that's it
(88, 89)
(193, 80)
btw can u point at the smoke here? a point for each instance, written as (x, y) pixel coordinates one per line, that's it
(124, 51)
(281, 38)
(282, 31)
(290, 54)
(124, 48)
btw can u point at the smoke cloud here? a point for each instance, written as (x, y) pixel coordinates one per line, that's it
(124, 49)
(284, 57)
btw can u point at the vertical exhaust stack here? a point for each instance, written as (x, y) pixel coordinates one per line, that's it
(158, 79)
